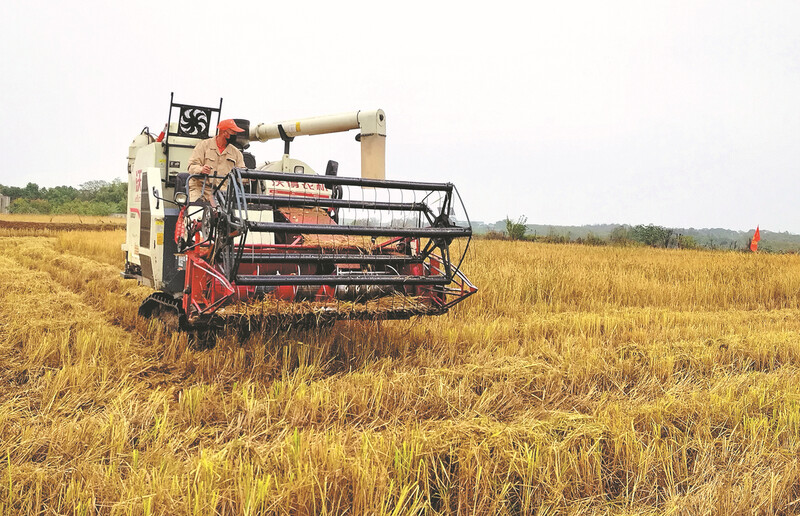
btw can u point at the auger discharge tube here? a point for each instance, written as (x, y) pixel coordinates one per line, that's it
(371, 123)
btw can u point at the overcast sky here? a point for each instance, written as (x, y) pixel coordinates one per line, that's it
(682, 114)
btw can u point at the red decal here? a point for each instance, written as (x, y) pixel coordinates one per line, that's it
(300, 194)
(137, 193)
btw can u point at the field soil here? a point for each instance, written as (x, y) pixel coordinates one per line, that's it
(60, 226)
(579, 380)
(50, 225)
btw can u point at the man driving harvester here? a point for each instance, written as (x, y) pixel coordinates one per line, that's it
(214, 156)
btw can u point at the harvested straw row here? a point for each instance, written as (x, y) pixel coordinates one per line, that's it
(382, 305)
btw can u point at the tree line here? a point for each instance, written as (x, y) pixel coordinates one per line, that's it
(649, 235)
(643, 234)
(91, 198)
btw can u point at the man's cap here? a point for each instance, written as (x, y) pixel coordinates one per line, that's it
(229, 124)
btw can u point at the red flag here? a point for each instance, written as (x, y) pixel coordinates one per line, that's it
(754, 241)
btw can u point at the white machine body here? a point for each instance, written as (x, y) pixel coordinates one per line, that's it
(153, 166)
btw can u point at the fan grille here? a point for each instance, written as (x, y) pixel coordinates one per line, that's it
(194, 122)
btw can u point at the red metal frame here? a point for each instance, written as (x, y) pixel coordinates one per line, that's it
(207, 289)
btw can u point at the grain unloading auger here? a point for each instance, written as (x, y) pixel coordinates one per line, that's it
(282, 244)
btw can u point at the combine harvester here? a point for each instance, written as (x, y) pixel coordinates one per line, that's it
(282, 245)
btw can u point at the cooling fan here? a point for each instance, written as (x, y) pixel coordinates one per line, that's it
(194, 122)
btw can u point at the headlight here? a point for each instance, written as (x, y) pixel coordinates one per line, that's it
(181, 198)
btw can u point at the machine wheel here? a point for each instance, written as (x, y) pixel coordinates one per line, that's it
(166, 308)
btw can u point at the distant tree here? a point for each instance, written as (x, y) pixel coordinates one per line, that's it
(93, 198)
(79, 207)
(93, 186)
(592, 239)
(687, 242)
(14, 192)
(516, 230)
(620, 235)
(61, 194)
(112, 193)
(31, 191)
(23, 205)
(554, 237)
(496, 235)
(654, 236)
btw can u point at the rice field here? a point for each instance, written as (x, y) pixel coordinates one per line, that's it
(579, 380)
(62, 219)
(12, 224)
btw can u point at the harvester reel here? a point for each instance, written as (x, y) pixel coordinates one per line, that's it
(336, 193)
(225, 232)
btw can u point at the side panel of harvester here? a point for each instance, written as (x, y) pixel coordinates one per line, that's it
(146, 225)
(150, 240)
